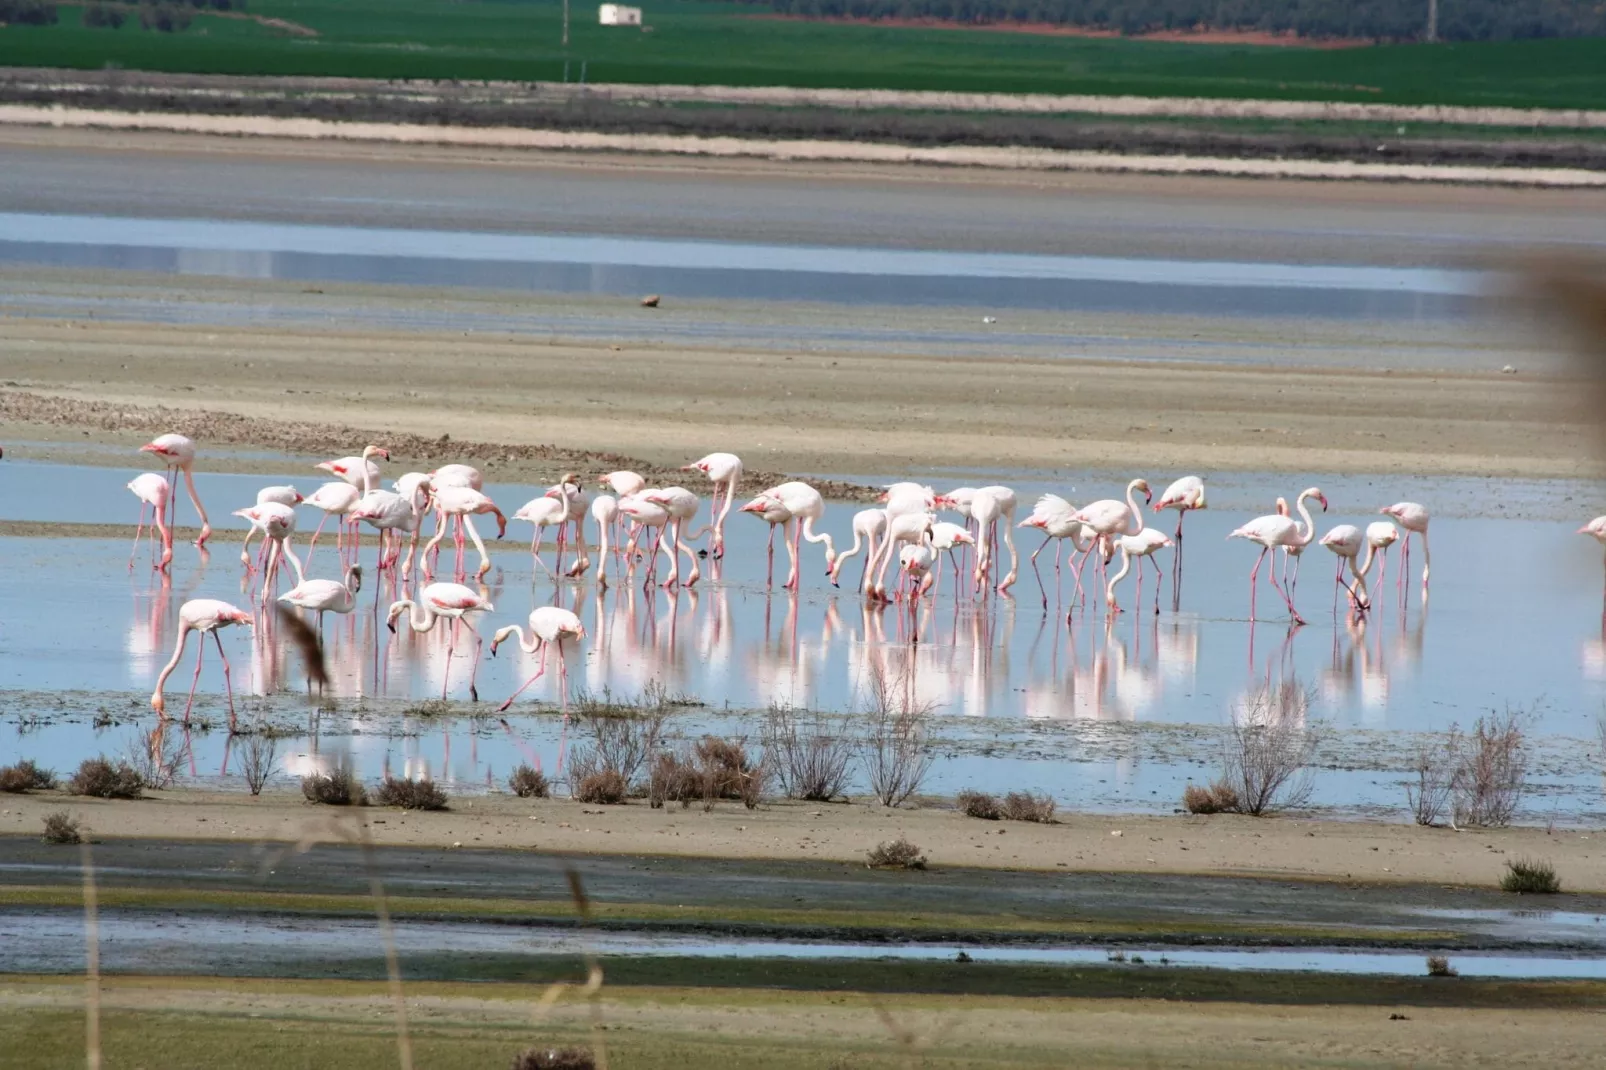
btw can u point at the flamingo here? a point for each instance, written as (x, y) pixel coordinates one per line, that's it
(773, 513)
(1414, 519)
(869, 527)
(905, 529)
(178, 454)
(1346, 540)
(278, 523)
(439, 600)
(388, 511)
(286, 496)
(1278, 530)
(1111, 517)
(335, 499)
(681, 504)
(604, 510)
(416, 488)
(944, 538)
(916, 561)
(326, 596)
(1595, 529)
(1294, 554)
(358, 471)
(807, 507)
(200, 615)
(644, 513)
(623, 484)
(1142, 546)
(724, 470)
(153, 493)
(987, 507)
(1380, 535)
(1185, 495)
(1056, 518)
(578, 500)
(463, 503)
(543, 512)
(549, 625)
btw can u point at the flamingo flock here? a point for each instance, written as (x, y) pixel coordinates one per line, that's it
(649, 530)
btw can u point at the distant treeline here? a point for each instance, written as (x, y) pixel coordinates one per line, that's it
(1377, 20)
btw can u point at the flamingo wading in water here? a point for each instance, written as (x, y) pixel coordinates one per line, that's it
(204, 615)
(178, 453)
(1414, 519)
(1185, 495)
(1276, 531)
(153, 492)
(439, 600)
(724, 471)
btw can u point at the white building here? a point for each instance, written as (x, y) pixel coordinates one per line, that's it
(619, 15)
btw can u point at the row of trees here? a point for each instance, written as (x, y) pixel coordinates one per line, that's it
(169, 16)
(1378, 20)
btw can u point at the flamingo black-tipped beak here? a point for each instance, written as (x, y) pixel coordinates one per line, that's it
(391, 625)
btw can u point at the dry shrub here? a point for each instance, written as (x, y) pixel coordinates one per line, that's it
(978, 804)
(1217, 798)
(673, 777)
(1530, 877)
(156, 758)
(895, 751)
(622, 739)
(61, 828)
(554, 1059)
(98, 778)
(26, 776)
(1267, 750)
(1435, 765)
(529, 783)
(1029, 806)
(257, 758)
(606, 786)
(410, 794)
(1439, 966)
(809, 760)
(898, 854)
(338, 787)
(1492, 771)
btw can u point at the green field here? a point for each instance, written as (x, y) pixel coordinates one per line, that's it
(716, 44)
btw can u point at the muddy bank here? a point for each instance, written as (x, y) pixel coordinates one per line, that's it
(1288, 848)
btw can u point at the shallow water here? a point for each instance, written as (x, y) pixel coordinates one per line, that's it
(53, 942)
(557, 263)
(1103, 714)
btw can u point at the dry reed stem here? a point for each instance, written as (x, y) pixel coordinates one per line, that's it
(92, 957)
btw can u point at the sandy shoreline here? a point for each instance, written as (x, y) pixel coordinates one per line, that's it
(1273, 848)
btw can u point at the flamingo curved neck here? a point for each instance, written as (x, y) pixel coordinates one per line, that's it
(1126, 566)
(420, 618)
(1302, 538)
(529, 644)
(1136, 513)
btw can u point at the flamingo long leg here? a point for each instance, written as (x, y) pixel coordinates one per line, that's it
(200, 649)
(1254, 574)
(474, 669)
(526, 684)
(228, 685)
(312, 545)
(1040, 588)
(138, 530)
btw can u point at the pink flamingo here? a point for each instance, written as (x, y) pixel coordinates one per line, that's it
(326, 596)
(278, 523)
(359, 472)
(578, 500)
(1380, 535)
(1414, 519)
(807, 507)
(605, 511)
(1346, 540)
(1274, 531)
(202, 615)
(153, 493)
(869, 527)
(1185, 495)
(681, 504)
(178, 454)
(549, 626)
(724, 471)
(1056, 518)
(335, 499)
(439, 600)
(544, 512)
(773, 513)
(644, 513)
(286, 496)
(389, 512)
(1595, 529)
(945, 539)
(1142, 546)
(903, 529)
(463, 503)
(987, 507)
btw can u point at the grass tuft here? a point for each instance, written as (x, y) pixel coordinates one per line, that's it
(607, 787)
(98, 778)
(338, 787)
(26, 776)
(60, 827)
(410, 794)
(528, 783)
(554, 1059)
(1439, 966)
(1218, 798)
(1530, 877)
(898, 854)
(1029, 806)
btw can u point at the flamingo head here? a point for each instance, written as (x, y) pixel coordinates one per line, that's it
(1390, 510)
(1323, 499)
(501, 520)
(579, 631)
(1148, 496)
(695, 466)
(376, 451)
(396, 610)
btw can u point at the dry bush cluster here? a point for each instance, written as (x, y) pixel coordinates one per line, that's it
(156, 758)
(1530, 877)
(60, 827)
(895, 750)
(809, 760)
(338, 787)
(529, 783)
(25, 776)
(710, 769)
(1016, 806)
(1439, 966)
(98, 778)
(410, 794)
(554, 1059)
(1477, 778)
(622, 738)
(257, 757)
(1266, 754)
(897, 854)
(605, 787)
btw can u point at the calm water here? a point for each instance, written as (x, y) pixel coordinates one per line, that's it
(53, 942)
(1112, 714)
(677, 268)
